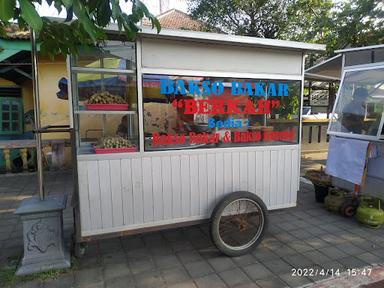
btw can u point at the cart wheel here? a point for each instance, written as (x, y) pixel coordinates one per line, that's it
(238, 223)
(349, 207)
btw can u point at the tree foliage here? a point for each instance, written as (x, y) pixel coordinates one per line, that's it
(84, 24)
(259, 18)
(338, 24)
(341, 24)
(356, 23)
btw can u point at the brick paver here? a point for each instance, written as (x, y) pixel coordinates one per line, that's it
(306, 236)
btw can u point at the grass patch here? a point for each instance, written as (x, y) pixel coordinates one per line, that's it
(8, 277)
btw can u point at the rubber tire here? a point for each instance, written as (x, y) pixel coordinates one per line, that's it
(349, 208)
(215, 218)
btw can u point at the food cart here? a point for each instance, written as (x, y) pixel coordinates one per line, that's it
(170, 126)
(358, 115)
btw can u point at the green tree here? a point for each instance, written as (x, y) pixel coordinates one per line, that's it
(338, 24)
(356, 23)
(83, 26)
(307, 20)
(261, 18)
(350, 23)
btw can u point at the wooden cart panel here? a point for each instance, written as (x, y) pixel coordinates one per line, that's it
(146, 190)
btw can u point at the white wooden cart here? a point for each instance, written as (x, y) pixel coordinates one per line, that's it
(125, 193)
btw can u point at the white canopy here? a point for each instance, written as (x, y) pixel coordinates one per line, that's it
(330, 69)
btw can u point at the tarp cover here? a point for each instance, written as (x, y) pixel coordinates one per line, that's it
(346, 159)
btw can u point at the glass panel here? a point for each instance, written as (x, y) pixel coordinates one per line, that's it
(15, 115)
(5, 106)
(360, 103)
(15, 126)
(204, 112)
(115, 55)
(15, 106)
(107, 131)
(5, 126)
(5, 116)
(105, 103)
(358, 57)
(94, 88)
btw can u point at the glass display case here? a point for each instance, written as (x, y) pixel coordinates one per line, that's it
(358, 111)
(222, 119)
(104, 99)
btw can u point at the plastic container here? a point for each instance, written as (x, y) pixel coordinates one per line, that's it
(320, 192)
(321, 182)
(335, 199)
(369, 212)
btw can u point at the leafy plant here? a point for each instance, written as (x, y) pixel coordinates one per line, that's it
(259, 18)
(83, 26)
(336, 23)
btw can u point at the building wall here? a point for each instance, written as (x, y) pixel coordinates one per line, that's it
(27, 92)
(53, 111)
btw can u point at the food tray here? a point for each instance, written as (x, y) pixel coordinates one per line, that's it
(110, 107)
(114, 150)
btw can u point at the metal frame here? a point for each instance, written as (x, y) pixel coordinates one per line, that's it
(36, 105)
(101, 70)
(360, 48)
(349, 135)
(160, 71)
(140, 105)
(75, 70)
(300, 112)
(69, 86)
(229, 75)
(361, 66)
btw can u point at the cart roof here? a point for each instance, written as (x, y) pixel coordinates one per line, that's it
(331, 69)
(360, 48)
(209, 37)
(328, 70)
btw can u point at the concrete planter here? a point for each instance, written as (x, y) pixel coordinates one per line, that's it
(43, 235)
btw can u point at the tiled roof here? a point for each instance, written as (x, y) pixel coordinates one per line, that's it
(171, 19)
(176, 19)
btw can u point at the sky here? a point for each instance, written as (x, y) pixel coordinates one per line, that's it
(153, 6)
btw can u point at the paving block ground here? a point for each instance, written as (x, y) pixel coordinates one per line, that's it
(304, 237)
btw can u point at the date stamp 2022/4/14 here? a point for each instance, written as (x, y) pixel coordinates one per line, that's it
(312, 272)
